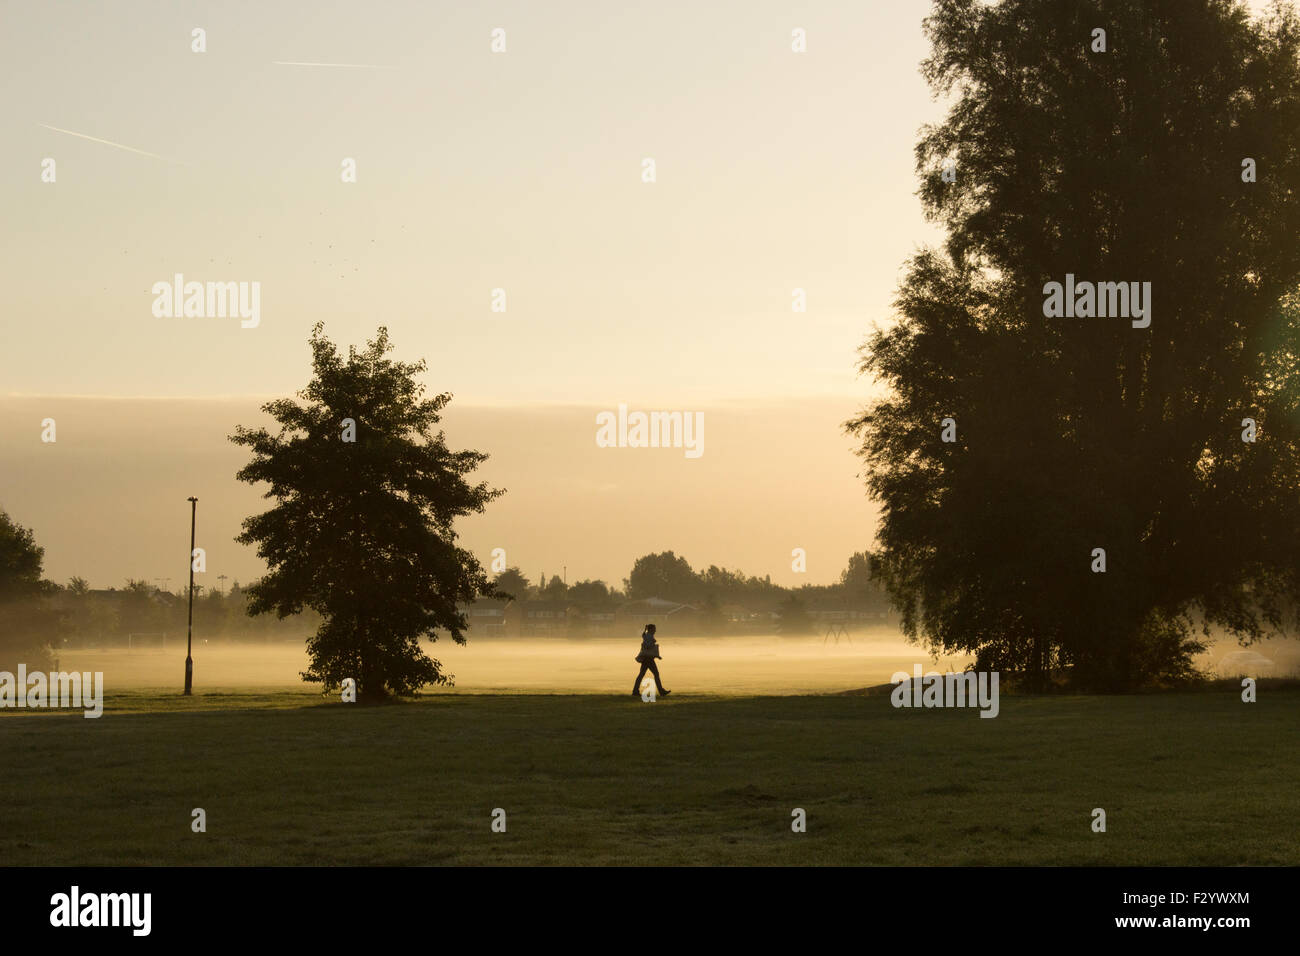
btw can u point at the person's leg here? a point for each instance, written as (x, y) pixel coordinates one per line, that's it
(636, 688)
(654, 669)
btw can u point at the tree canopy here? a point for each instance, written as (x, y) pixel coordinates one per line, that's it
(27, 622)
(1119, 161)
(362, 530)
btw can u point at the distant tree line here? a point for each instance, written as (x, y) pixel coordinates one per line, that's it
(38, 616)
(712, 591)
(108, 617)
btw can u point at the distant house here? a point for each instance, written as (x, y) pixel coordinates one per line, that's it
(591, 623)
(736, 614)
(487, 617)
(845, 611)
(833, 611)
(663, 614)
(540, 618)
(740, 619)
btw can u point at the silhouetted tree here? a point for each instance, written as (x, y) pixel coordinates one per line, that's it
(793, 617)
(1082, 433)
(711, 620)
(512, 583)
(362, 529)
(27, 621)
(20, 560)
(663, 575)
(592, 595)
(555, 590)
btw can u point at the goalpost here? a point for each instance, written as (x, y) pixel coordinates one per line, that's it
(837, 630)
(146, 641)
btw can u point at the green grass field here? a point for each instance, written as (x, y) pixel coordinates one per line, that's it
(288, 778)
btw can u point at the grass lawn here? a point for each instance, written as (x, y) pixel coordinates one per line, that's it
(289, 778)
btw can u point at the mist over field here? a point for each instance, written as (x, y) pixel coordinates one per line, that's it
(726, 666)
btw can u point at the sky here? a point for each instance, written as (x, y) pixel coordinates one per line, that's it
(107, 500)
(475, 171)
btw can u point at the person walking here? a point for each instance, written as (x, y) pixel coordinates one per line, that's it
(646, 658)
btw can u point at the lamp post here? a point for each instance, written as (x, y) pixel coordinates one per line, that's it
(189, 636)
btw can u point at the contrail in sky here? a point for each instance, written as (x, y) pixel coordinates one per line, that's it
(96, 139)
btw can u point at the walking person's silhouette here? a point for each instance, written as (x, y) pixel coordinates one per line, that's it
(646, 657)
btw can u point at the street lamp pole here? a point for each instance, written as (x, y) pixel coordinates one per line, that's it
(189, 637)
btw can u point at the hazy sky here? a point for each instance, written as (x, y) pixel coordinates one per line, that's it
(107, 499)
(475, 171)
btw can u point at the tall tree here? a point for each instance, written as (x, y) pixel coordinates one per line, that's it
(555, 590)
(27, 622)
(20, 560)
(592, 594)
(1121, 160)
(512, 583)
(663, 575)
(858, 583)
(362, 529)
(793, 617)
